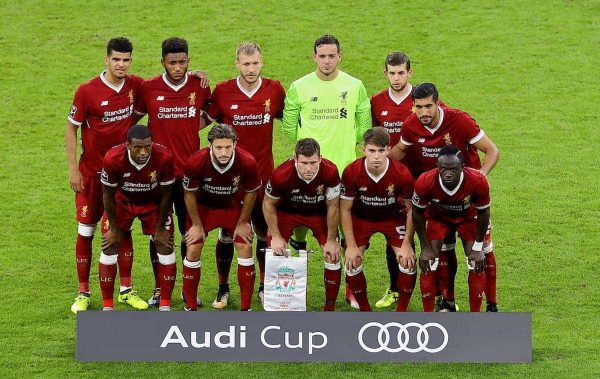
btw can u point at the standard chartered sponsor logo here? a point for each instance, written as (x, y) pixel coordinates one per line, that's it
(117, 115)
(404, 337)
(176, 112)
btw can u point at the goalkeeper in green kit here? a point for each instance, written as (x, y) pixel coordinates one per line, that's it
(333, 108)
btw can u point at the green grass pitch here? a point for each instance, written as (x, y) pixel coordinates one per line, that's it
(527, 72)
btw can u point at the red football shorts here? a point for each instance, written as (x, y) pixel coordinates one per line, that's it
(393, 230)
(88, 201)
(225, 218)
(148, 215)
(466, 229)
(316, 223)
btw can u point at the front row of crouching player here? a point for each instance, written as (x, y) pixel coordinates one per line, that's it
(375, 195)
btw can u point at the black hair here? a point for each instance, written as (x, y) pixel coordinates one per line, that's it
(424, 90)
(120, 45)
(174, 45)
(451, 150)
(138, 132)
(326, 39)
(222, 131)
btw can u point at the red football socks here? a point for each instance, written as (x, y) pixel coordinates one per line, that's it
(428, 283)
(83, 256)
(447, 273)
(246, 275)
(332, 277)
(125, 260)
(406, 285)
(490, 277)
(358, 285)
(167, 272)
(476, 290)
(191, 273)
(107, 271)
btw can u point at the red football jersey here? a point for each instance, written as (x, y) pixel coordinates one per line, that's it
(252, 115)
(104, 113)
(174, 114)
(299, 196)
(138, 184)
(390, 112)
(454, 127)
(471, 193)
(377, 198)
(220, 187)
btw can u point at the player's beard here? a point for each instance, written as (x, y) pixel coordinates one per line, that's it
(173, 80)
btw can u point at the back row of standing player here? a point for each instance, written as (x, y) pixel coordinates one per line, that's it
(328, 104)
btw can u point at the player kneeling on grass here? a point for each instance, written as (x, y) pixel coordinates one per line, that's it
(214, 179)
(451, 197)
(375, 199)
(304, 191)
(137, 180)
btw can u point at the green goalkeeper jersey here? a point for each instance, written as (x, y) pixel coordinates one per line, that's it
(336, 113)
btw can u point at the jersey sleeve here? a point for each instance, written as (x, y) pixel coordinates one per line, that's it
(109, 175)
(275, 187)
(212, 109)
(472, 130)
(167, 174)
(334, 185)
(348, 190)
(407, 184)
(362, 114)
(406, 136)
(374, 120)
(139, 106)
(291, 114)
(421, 196)
(280, 93)
(78, 111)
(482, 194)
(191, 181)
(205, 98)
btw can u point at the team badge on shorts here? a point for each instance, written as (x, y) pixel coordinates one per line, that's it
(84, 211)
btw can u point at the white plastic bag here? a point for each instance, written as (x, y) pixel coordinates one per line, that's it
(285, 282)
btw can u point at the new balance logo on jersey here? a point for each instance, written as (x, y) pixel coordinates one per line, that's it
(384, 113)
(421, 140)
(295, 190)
(160, 98)
(234, 106)
(127, 174)
(207, 179)
(314, 98)
(104, 103)
(362, 189)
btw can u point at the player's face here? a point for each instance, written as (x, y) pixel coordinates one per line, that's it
(140, 149)
(376, 156)
(450, 169)
(327, 58)
(307, 166)
(427, 111)
(176, 66)
(117, 64)
(222, 150)
(398, 76)
(249, 67)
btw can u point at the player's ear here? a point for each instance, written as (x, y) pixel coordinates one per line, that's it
(106, 60)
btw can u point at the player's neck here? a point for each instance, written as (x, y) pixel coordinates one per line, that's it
(112, 79)
(249, 87)
(400, 94)
(377, 171)
(175, 82)
(327, 78)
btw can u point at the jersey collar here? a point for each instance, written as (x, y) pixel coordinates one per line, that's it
(138, 166)
(399, 101)
(118, 88)
(175, 87)
(439, 124)
(245, 91)
(376, 179)
(455, 190)
(216, 164)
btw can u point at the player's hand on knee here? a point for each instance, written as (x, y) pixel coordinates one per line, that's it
(426, 257)
(478, 260)
(194, 235)
(331, 251)
(353, 258)
(111, 241)
(244, 230)
(163, 240)
(406, 257)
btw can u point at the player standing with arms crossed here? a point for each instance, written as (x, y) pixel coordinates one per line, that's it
(376, 198)
(174, 103)
(330, 106)
(423, 134)
(103, 108)
(250, 103)
(137, 179)
(304, 191)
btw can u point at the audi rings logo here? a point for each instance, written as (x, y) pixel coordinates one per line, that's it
(404, 337)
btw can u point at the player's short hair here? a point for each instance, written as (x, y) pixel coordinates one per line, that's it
(326, 39)
(424, 90)
(120, 45)
(174, 45)
(396, 58)
(222, 131)
(247, 48)
(138, 132)
(451, 150)
(376, 136)
(308, 147)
